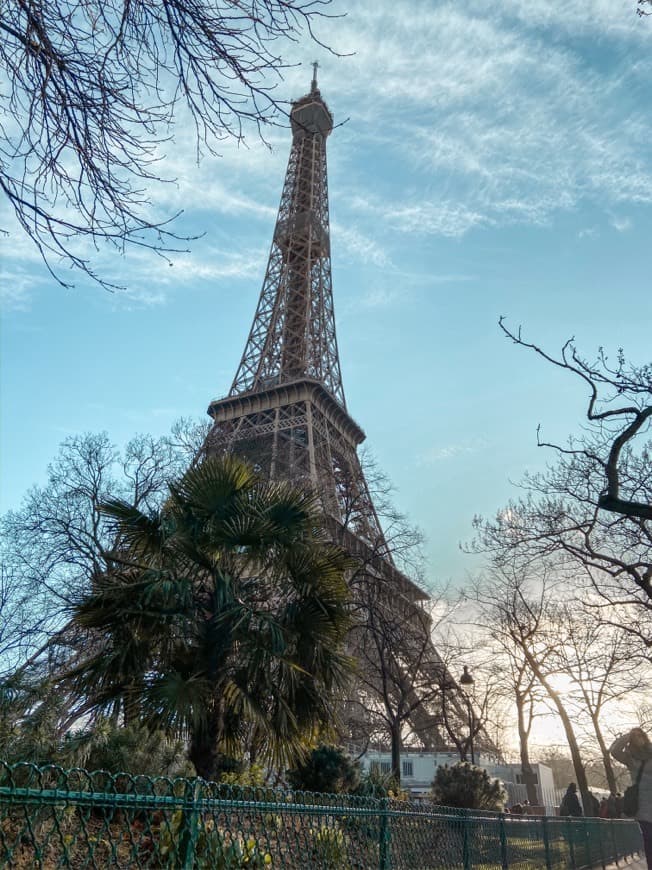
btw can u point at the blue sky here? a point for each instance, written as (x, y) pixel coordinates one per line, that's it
(496, 160)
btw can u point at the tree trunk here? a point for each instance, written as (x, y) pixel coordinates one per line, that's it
(203, 751)
(460, 744)
(203, 756)
(526, 767)
(396, 750)
(576, 756)
(606, 758)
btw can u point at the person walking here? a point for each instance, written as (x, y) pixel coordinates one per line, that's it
(570, 803)
(634, 750)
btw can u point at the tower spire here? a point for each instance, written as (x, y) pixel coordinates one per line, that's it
(313, 85)
(293, 332)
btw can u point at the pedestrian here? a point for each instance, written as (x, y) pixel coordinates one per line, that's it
(634, 750)
(619, 805)
(594, 806)
(570, 804)
(604, 809)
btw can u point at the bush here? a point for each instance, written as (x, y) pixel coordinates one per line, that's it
(375, 784)
(327, 769)
(248, 776)
(329, 850)
(215, 848)
(466, 786)
(133, 750)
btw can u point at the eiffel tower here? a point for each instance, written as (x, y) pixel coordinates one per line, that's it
(286, 411)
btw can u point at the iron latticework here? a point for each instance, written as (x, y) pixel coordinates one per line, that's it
(293, 333)
(286, 410)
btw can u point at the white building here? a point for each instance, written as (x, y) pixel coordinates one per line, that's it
(510, 774)
(417, 767)
(418, 771)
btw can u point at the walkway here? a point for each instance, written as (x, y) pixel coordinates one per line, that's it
(631, 864)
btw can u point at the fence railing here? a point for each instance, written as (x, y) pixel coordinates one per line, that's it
(51, 818)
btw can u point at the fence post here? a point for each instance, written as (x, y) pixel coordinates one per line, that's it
(614, 845)
(546, 841)
(189, 825)
(466, 851)
(587, 844)
(503, 843)
(384, 840)
(571, 845)
(601, 845)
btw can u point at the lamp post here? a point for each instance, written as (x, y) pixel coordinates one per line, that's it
(467, 680)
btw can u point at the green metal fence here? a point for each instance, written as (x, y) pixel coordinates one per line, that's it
(51, 818)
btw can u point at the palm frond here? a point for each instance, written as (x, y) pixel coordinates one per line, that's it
(210, 487)
(138, 533)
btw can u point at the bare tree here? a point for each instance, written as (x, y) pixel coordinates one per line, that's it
(395, 664)
(515, 682)
(94, 89)
(57, 542)
(602, 665)
(471, 707)
(23, 619)
(520, 611)
(589, 510)
(629, 388)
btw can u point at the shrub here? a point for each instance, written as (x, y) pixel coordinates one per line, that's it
(215, 847)
(329, 850)
(468, 786)
(327, 769)
(133, 750)
(251, 776)
(375, 784)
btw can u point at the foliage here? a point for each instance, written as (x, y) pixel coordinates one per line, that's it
(250, 776)
(30, 717)
(375, 784)
(327, 769)
(95, 88)
(29, 731)
(131, 749)
(55, 544)
(464, 785)
(329, 849)
(220, 616)
(214, 848)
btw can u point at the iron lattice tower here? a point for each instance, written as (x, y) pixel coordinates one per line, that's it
(286, 411)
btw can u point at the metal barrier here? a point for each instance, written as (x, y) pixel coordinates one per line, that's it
(51, 818)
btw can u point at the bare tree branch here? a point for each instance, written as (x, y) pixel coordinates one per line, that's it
(631, 382)
(95, 88)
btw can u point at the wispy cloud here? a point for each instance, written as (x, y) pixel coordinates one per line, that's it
(358, 245)
(611, 18)
(622, 224)
(490, 115)
(451, 451)
(496, 122)
(16, 287)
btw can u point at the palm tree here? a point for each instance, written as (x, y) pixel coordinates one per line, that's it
(221, 616)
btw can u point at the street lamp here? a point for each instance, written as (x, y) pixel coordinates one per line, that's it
(467, 680)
